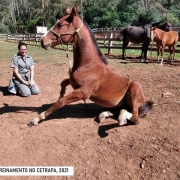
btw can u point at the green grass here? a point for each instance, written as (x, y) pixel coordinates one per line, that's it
(38, 53)
(136, 52)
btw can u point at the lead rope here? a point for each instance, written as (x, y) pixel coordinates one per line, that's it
(69, 62)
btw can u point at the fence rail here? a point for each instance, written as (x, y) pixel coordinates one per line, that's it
(106, 38)
(30, 39)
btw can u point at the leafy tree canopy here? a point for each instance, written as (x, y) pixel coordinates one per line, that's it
(22, 16)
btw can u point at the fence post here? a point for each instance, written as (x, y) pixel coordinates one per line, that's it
(105, 36)
(110, 43)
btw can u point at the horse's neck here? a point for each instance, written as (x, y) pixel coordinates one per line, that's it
(84, 49)
(158, 34)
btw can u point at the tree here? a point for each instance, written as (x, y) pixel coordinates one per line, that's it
(127, 10)
(22, 16)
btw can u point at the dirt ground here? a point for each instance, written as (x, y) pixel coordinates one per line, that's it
(71, 136)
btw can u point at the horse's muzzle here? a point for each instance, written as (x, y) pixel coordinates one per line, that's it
(45, 46)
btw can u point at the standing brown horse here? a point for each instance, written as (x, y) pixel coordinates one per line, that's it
(163, 39)
(90, 76)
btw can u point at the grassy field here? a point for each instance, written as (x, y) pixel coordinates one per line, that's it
(41, 55)
(137, 52)
(38, 53)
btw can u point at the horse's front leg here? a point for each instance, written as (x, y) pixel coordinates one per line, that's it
(63, 85)
(76, 95)
(142, 52)
(162, 53)
(104, 115)
(158, 52)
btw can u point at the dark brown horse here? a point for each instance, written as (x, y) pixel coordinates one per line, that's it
(163, 39)
(90, 76)
(137, 35)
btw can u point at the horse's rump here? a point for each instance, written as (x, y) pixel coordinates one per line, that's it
(171, 37)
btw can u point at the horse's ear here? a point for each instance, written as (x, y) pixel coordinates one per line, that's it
(74, 11)
(153, 28)
(68, 11)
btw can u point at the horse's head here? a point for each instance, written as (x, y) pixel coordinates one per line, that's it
(154, 32)
(63, 31)
(165, 26)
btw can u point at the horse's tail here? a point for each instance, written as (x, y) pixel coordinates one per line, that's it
(145, 108)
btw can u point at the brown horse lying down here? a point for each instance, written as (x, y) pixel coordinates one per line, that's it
(90, 76)
(163, 39)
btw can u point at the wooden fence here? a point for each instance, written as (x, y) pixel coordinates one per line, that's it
(106, 38)
(30, 39)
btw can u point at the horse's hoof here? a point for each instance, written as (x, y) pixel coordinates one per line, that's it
(31, 123)
(122, 122)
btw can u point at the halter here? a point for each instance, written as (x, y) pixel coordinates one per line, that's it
(65, 49)
(69, 32)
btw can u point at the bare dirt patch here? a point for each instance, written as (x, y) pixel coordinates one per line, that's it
(72, 137)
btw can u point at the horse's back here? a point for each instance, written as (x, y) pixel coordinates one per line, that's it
(170, 37)
(111, 89)
(136, 34)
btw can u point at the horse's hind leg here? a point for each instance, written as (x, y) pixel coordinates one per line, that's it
(135, 97)
(63, 85)
(123, 117)
(172, 53)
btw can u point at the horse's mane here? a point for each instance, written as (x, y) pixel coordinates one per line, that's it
(161, 23)
(157, 23)
(95, 42)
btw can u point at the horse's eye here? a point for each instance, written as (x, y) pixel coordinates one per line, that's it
(59, 25)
